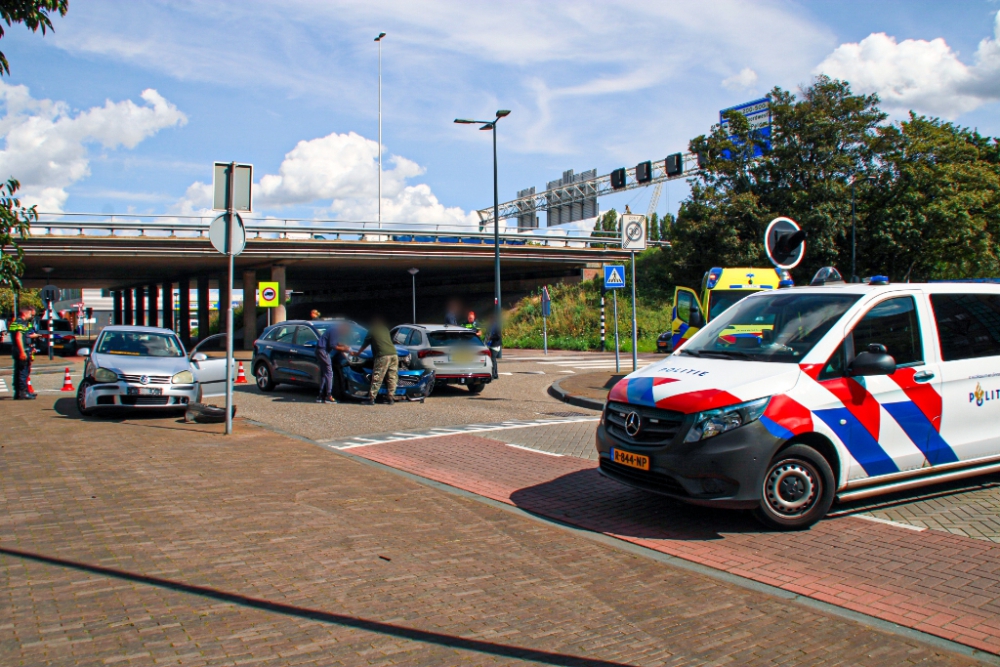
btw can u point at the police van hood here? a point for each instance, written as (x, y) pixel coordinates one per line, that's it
(692, 384)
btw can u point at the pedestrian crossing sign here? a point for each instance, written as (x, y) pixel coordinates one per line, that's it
(614, 277)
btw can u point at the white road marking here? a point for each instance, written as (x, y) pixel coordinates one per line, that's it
(567, 371)
(529, 449)
(876, 519)
(351, 443)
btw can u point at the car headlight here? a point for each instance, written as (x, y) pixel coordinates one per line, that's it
(184, 377)
(105, 375)
(711, 423)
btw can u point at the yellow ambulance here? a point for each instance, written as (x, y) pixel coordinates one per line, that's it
(720, 289)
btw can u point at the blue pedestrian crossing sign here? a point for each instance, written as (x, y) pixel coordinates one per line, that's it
(614, 277)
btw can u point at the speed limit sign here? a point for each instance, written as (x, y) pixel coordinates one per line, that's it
(633, 232)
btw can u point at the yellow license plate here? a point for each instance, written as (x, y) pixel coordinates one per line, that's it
(629, 459)
(461, 358)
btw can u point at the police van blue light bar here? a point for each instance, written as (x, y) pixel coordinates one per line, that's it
(879, 280)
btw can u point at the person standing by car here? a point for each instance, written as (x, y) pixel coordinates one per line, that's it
(451, 314)
(21, 349)
(386, 362)
(494, 342)
(329, 343)
(472, 324)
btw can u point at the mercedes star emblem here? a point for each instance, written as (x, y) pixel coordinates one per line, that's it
(144, 379)
(633, 422)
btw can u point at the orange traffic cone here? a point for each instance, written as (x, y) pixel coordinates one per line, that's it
(241, 377)
(67, 382)
(31, 390)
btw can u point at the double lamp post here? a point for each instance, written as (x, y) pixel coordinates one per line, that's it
(491, 125)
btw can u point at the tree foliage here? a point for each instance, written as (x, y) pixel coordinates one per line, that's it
(15, 218)
(34, 14)
(926, 191)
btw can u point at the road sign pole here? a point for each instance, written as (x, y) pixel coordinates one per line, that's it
(603, 347)
(230, 222)
(51, 352)
(618, 363)
(635, 332)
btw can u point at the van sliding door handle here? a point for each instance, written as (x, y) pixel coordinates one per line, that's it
(923, 376)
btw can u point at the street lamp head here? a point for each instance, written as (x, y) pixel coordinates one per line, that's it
(466, 121)
(414, 271)
(488, 126)
(380, 36)
(503, 112)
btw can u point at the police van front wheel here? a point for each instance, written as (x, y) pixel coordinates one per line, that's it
(798, 489)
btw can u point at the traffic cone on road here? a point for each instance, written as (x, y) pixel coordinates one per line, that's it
(67, 382)
(31, 390)
(241, 377)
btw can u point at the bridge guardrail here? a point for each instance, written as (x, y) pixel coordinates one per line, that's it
(163, 226)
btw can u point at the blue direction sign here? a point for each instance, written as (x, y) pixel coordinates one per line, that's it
(614, 277)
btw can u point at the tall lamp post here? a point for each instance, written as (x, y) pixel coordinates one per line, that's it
(379, 40)
(491, 125)
(854, 273)
(413, 272)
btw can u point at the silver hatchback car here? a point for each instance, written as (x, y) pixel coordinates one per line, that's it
(455, 354)
(146, 367)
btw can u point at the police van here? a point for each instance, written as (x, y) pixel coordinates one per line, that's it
(844, 392)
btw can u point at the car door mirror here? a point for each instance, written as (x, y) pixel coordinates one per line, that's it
(872, 363)
(199, 356)
(697, 319)
(83, 352)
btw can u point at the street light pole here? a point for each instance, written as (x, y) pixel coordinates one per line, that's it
(379, 40)
(413, 272)
(491, 125)
(854, 273)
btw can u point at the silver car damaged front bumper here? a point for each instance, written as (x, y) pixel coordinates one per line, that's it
(118, 395)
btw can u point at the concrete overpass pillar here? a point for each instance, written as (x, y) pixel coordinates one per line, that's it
(168, 305)
(278, 276)
(184, 311)
(152, 307)
(140, 306)
(128, 319)
(224, 303)
(116, 296)
(249, 309)
(203, 304)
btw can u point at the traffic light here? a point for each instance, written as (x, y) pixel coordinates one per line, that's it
(644, 172)
(618, 178)
(675, 164)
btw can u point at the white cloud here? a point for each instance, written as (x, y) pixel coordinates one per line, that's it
(340, 171)
(745, 78)
(926, 76)
(46, 142)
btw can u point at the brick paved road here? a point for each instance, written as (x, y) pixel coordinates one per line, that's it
(146, 542)
(932, 581)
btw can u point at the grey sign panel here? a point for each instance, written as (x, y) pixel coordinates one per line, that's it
(237, 240)
(241, 190)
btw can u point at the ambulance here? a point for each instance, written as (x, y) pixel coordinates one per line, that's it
(846, 391)
(720, 289)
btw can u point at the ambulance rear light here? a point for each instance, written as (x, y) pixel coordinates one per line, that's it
(713, 277)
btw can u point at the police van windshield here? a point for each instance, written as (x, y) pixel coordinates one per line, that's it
(782, 327)
(719, 301)
(139, 344)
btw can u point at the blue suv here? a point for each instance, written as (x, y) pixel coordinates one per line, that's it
(285, 353)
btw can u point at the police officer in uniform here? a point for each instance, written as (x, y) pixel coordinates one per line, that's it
(21, 348)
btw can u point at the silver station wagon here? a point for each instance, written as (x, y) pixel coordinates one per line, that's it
(455, 354)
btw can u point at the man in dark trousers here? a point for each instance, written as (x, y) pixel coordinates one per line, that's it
(20, 348)
(386, 362)
(329, 343)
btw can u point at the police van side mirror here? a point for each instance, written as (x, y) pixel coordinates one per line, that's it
(872, 363)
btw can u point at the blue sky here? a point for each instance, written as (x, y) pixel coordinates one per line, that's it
(291, 87)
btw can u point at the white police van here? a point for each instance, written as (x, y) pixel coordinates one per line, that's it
(798, 397)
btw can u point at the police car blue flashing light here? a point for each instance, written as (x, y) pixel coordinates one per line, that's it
(786, 283)
(713, 277)
(879, 280)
